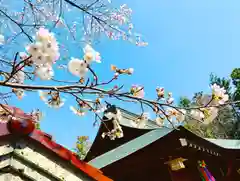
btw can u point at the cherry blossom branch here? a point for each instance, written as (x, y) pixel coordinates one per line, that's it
(19, 25)
(44, 51)
(17, 67)
(96, 114)
(68, 88)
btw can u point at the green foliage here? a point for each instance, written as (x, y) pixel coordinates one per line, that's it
(82, 146)
(223, 82)
(235, 75)
(209, 133)
(227, 123)
(184, 102)
(37, 125)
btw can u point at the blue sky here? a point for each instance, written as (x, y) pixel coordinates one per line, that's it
(188, 40)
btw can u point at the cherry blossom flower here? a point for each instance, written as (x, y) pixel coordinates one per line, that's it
(170, 99)
(35, 49)
(23, 55)
(219, 94)
(36, 115)
(88, 57)
(90, 54)
(197, 114)
(2, 39)
(104, 134)
(130, 71)
(76, 111)
(159, 121)
(160, 92)
(51, 49)
(45, 49)
(86, 104)
(172, 113)
(118, 133)
(77, 67)
(205, 115)
(54, 100)
(19, 77)
(44, 72)
(19, 93)
(97, 57)
(118, 71)
(44, 35)
(141, 121)
(180, 117)
(114, 133)
(137, 91)
(206, 100)
(210, 114)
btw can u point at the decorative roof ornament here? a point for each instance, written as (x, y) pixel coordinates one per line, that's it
(17, 121)
(205, 174)
(176, 164)
(20, 126)
(114, 115)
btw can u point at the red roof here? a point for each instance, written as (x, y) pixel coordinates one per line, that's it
(46, 140)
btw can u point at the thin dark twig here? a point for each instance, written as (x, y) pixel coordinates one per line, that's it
(20, 26)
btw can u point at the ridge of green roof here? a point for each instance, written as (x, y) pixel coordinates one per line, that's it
(225, 143)
(127, 115)
(128, 148)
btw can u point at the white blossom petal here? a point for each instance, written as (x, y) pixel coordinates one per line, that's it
(44, 72)
(77, 67)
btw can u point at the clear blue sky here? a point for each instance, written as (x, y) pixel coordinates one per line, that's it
(188, 40)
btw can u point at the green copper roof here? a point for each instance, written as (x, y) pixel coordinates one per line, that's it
(144, 140)
(128, 148)
(224, 143)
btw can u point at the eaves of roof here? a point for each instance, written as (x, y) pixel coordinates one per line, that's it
(46, 141)
(152, 136)
(226, 143)
(128, 148)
